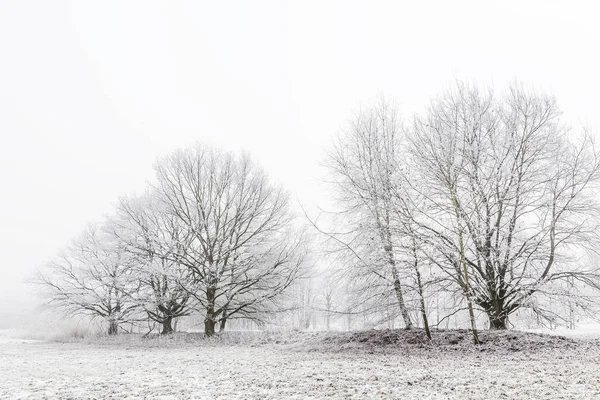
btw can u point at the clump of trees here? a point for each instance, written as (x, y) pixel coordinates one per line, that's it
(488, 195)
(93, 277)
(212, 235)
(485, 205)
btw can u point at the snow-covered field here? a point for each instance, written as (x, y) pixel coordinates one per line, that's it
(386, 365)
(583, 331)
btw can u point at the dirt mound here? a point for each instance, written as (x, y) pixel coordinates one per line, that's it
(447, 340)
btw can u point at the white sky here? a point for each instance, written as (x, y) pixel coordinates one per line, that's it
(92, 92)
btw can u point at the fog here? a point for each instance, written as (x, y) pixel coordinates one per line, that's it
(92, 93)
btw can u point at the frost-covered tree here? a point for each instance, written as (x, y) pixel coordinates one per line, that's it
(328, 296)
(155, 239)
(236, 235)
(510, 195)
(93, 277)
(366, 162)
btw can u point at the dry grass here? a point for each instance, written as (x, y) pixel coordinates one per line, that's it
(447, 340)
(386, 340)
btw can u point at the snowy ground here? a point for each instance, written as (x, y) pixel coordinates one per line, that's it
(367, 365)
(583, 331)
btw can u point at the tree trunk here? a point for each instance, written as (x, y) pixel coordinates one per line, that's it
(420, 288)
(210, 319)
(495, 310)
(423, 309)
(497, 322)
(463, 260)
(391, 260)
(399, 296)
(209, 326)
(167, 326)
(222, 324)
(328, 306)
(113, 327)
(306, 320)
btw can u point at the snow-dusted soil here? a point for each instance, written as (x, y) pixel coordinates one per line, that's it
(382, 365)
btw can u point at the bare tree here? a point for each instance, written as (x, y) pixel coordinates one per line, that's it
(365, 162)
(416, 258)
(328, 296)
(509, 195)
(155, 239)
(236, 237)
(92, 277)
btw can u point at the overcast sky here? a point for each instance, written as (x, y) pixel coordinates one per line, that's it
(92, 92)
